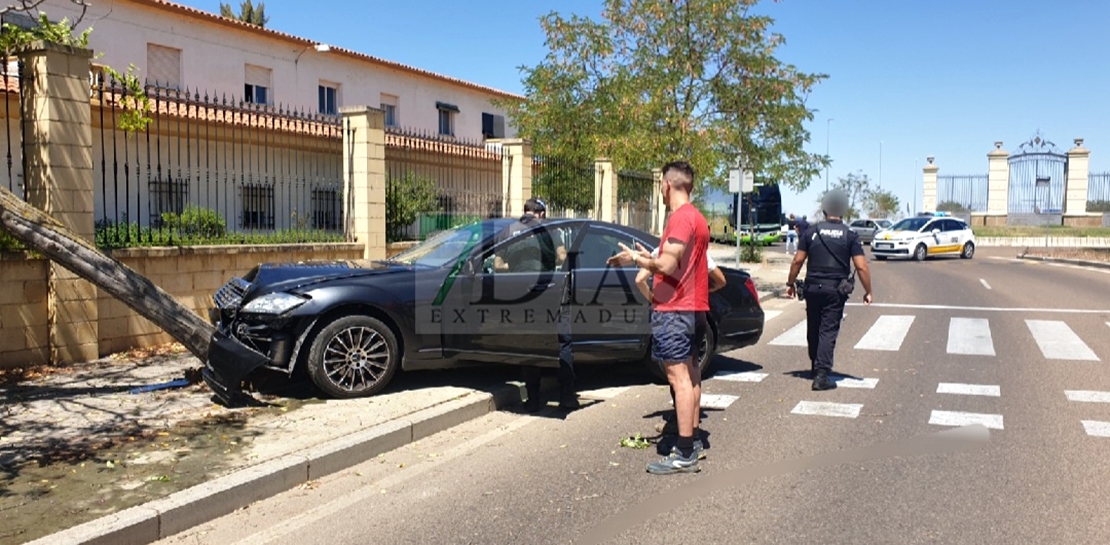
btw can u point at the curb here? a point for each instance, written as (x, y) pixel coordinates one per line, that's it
(180, 511)
(1081, 262)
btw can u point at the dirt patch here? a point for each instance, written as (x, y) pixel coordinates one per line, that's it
(1086, 254)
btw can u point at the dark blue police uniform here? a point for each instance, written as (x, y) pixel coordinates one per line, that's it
(829, 247)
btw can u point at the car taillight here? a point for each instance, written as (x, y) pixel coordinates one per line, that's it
(751, 287)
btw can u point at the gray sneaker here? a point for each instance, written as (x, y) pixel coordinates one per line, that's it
(699, 449)
(674, 463)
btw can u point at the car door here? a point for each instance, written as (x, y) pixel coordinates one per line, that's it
(509, 315)
(951, 238)
(611, 318)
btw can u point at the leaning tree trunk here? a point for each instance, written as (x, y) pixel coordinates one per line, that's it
(43, 233)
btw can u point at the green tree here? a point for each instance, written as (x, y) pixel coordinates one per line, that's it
(881, 203)
(407, 197)
(659, 80)
(248, 13)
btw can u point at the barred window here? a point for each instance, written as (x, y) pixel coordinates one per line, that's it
(167, 196)
(326, 208)
(258, 206)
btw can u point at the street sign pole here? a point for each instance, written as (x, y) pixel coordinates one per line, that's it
(735, 187)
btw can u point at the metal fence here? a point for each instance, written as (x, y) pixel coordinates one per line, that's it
(962, 193)
(212, 169)
(566, 185)
(435, 183)
(1098, 192)
(636, 199)
(13, 132)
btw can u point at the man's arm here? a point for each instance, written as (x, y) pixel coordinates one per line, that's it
(642, 276)
(796, 267)
(716, 280)
(864, 272)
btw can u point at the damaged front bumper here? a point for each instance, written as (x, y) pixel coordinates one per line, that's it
(229, 363)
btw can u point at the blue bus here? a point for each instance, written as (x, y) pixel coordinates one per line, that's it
(766, 203)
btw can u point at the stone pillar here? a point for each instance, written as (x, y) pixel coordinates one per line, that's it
(998, 181)
(659, 214)
(1075, 187)
(929, 187)
(517, 176)
(364, 174)
(605, 190)
(57, 139)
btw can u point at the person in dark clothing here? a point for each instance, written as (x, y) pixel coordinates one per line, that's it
(548, 252)
(829, 246)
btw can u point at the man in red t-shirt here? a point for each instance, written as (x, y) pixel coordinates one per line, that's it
(679, 303)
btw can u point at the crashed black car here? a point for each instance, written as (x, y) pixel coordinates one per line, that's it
(464, 295)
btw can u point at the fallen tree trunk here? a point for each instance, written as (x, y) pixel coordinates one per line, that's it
(43, 233)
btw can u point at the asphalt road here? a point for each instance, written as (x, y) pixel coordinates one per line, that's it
(1013, 345)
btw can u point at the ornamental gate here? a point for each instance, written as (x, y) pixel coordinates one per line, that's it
(1038, 175)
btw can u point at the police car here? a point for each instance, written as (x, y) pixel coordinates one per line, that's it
(925, 236)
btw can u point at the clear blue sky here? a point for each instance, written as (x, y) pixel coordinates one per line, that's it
(946, 79)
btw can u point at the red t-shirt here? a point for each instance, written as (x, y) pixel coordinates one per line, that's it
(687, 288)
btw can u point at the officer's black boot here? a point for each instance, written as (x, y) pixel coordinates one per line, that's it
(821, 381)
(568, 397)
(532, 377)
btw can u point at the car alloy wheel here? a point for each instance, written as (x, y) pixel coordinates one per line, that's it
(969, 250)
(920, 252)
(353, 356)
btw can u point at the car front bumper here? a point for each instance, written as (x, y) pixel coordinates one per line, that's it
(229, 363)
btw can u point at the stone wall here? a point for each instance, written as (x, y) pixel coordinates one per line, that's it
(24, 330)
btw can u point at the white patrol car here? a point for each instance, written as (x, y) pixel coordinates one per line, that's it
(924, 236)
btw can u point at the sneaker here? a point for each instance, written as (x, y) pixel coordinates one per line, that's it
(674, 463)
(699, 449)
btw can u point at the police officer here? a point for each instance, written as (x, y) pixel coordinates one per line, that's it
(830, 246)
(550, 252)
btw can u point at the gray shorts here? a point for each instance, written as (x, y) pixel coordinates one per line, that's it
(676, 336)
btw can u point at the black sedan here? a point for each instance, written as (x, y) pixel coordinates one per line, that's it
(474, 294)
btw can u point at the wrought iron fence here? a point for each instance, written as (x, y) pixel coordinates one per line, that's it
(1098, 192)
(566, 185)
(635, 199)
(13, 132)
(214, 169)
(436, 183)
(962, 193)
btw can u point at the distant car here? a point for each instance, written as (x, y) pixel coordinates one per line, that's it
(449, 301)
(925, 236)
(867, 228)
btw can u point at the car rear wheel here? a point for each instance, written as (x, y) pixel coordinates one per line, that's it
(969, 250)
(354, 356)
(920, 252)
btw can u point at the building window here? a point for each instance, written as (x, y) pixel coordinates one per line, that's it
(329, 98)
(258, 206)
(447, 118)
(493, 126)
(163, 66)
(389, 106)
(166, 197)
(326, 209)
(257, 88)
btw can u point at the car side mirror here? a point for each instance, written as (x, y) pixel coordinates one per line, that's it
(936, 231)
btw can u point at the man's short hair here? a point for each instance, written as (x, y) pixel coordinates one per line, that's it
(683, 176)
(535, 205)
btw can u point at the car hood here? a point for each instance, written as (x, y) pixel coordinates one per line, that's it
(287, 276)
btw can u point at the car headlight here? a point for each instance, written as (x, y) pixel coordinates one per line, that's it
(274, 303)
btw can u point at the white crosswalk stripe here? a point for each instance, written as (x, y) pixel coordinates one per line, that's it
(971, 336)
(1058, 342)
(738, 376)
(769, 314)
(1095, 428)
(865, 383)
(969, 389)
(1086, 396)
(717, 401)
(826, 408)
(795, 336)
(887, 333)
(957, 418)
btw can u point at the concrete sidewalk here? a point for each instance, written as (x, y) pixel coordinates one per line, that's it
(267, 451)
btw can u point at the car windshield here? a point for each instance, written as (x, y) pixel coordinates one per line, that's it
(911, 224)
(884, 224)
(442, 248)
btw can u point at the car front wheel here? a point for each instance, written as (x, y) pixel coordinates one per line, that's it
(969, 250)
(354, 356)
(920, 252)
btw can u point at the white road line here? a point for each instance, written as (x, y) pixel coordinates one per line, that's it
(795, 336)
(984, 309)
(887, 333)
(717, 401)
(737, 376)
(825, 408)
(604, 393)
(1058, 342)
(955, 418)
(1095, 428)
(865, 383)
(969, 389)
(985, 284)
(1086, 396)
(768, 314)
(970, 336)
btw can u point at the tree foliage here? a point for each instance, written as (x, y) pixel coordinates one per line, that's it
(863, 199)
(248, 12)
(881, 203)
(660, 80)
(406, 198)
